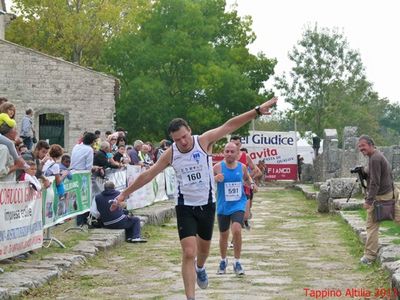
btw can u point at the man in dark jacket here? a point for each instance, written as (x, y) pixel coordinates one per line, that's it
(115, 219)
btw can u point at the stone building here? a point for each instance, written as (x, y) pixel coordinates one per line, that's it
(67, 99)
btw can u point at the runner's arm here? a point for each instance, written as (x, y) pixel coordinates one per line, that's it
(218, 176)
(213, 135)
(147, 175)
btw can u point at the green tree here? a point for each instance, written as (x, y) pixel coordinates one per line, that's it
(188, 60)
(327, 85)
(75, 30)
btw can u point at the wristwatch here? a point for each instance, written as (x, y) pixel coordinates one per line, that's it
(257, 108)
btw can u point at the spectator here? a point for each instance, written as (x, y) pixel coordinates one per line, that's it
(7, 165)
(316, 144)
(121, 156)
(82, 154)
(112, 139)
(7, 111)
(27, 133)
(96, 144)
(121, 141)
(29, 175)
(104, 158)
(65, 164)
(144, 156)
(39, 156)
(22, 149)
(52, 168)
(164, 145)
(7, 114)
(108, 133)
(134, 153)
(300, 163)
(82, 159)
(116, 219)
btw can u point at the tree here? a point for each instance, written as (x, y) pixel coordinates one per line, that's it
(75, 30)
(188, 60)
(328, 87)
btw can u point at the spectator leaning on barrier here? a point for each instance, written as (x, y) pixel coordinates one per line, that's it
(7, 165)
(117, 219)
(104, 158)
(121, 156)
(7, 112)
(134, 153)
(27, 132)
(65, 164)
(39, 156)
(29, 175)
(52, 168)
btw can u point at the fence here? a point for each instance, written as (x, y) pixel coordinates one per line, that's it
(26, 213)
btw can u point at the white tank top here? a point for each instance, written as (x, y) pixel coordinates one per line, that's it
(194, 175)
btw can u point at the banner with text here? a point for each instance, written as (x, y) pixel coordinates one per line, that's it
(76, 200)
(276, 149)
(21, 227)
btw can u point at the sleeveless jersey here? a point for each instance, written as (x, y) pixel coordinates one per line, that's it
(243, 160)
(231, 196)
(194, 175)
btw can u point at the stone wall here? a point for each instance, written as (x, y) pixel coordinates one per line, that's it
(31, 79)
(336, 163)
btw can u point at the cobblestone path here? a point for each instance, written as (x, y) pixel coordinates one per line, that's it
(290, 248)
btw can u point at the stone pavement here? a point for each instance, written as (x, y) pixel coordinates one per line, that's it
(291, 252)
(30, 274)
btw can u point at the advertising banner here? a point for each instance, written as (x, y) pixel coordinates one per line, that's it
(143, 196)
(21, 228)
(276, 149)
(75, 201)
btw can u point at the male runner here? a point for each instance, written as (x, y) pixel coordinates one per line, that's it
(231, 205)
(190, 156)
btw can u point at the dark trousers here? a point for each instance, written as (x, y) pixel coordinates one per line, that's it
(82, 219)
(130, 224)
(27, 140)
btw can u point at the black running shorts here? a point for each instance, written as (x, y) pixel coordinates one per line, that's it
(224, 221)
(195, 220)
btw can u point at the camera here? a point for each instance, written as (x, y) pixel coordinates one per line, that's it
(357, 170)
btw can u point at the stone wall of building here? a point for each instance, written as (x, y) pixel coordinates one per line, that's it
(31, 79)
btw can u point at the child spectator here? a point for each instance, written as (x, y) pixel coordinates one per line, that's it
(121, 156)
(29, 175)
(52, 168)
(64, 165)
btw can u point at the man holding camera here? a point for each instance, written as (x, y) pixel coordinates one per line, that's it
(379, 187)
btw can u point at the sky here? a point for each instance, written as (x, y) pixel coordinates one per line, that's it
(372, 27)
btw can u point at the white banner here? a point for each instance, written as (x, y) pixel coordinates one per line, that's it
(276, 149)
(143, 196)
(21, 227)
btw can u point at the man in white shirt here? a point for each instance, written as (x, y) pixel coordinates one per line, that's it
(82, 154)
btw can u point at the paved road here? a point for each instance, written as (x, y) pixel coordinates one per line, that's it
(289, 249)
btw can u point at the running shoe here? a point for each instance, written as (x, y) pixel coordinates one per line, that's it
(365, 261)
(237, 268)
(222, 267)
(202, 278)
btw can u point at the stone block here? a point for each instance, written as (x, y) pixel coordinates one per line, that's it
(389, 253)
(342, 204)
(323, 199)
(342, 187)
